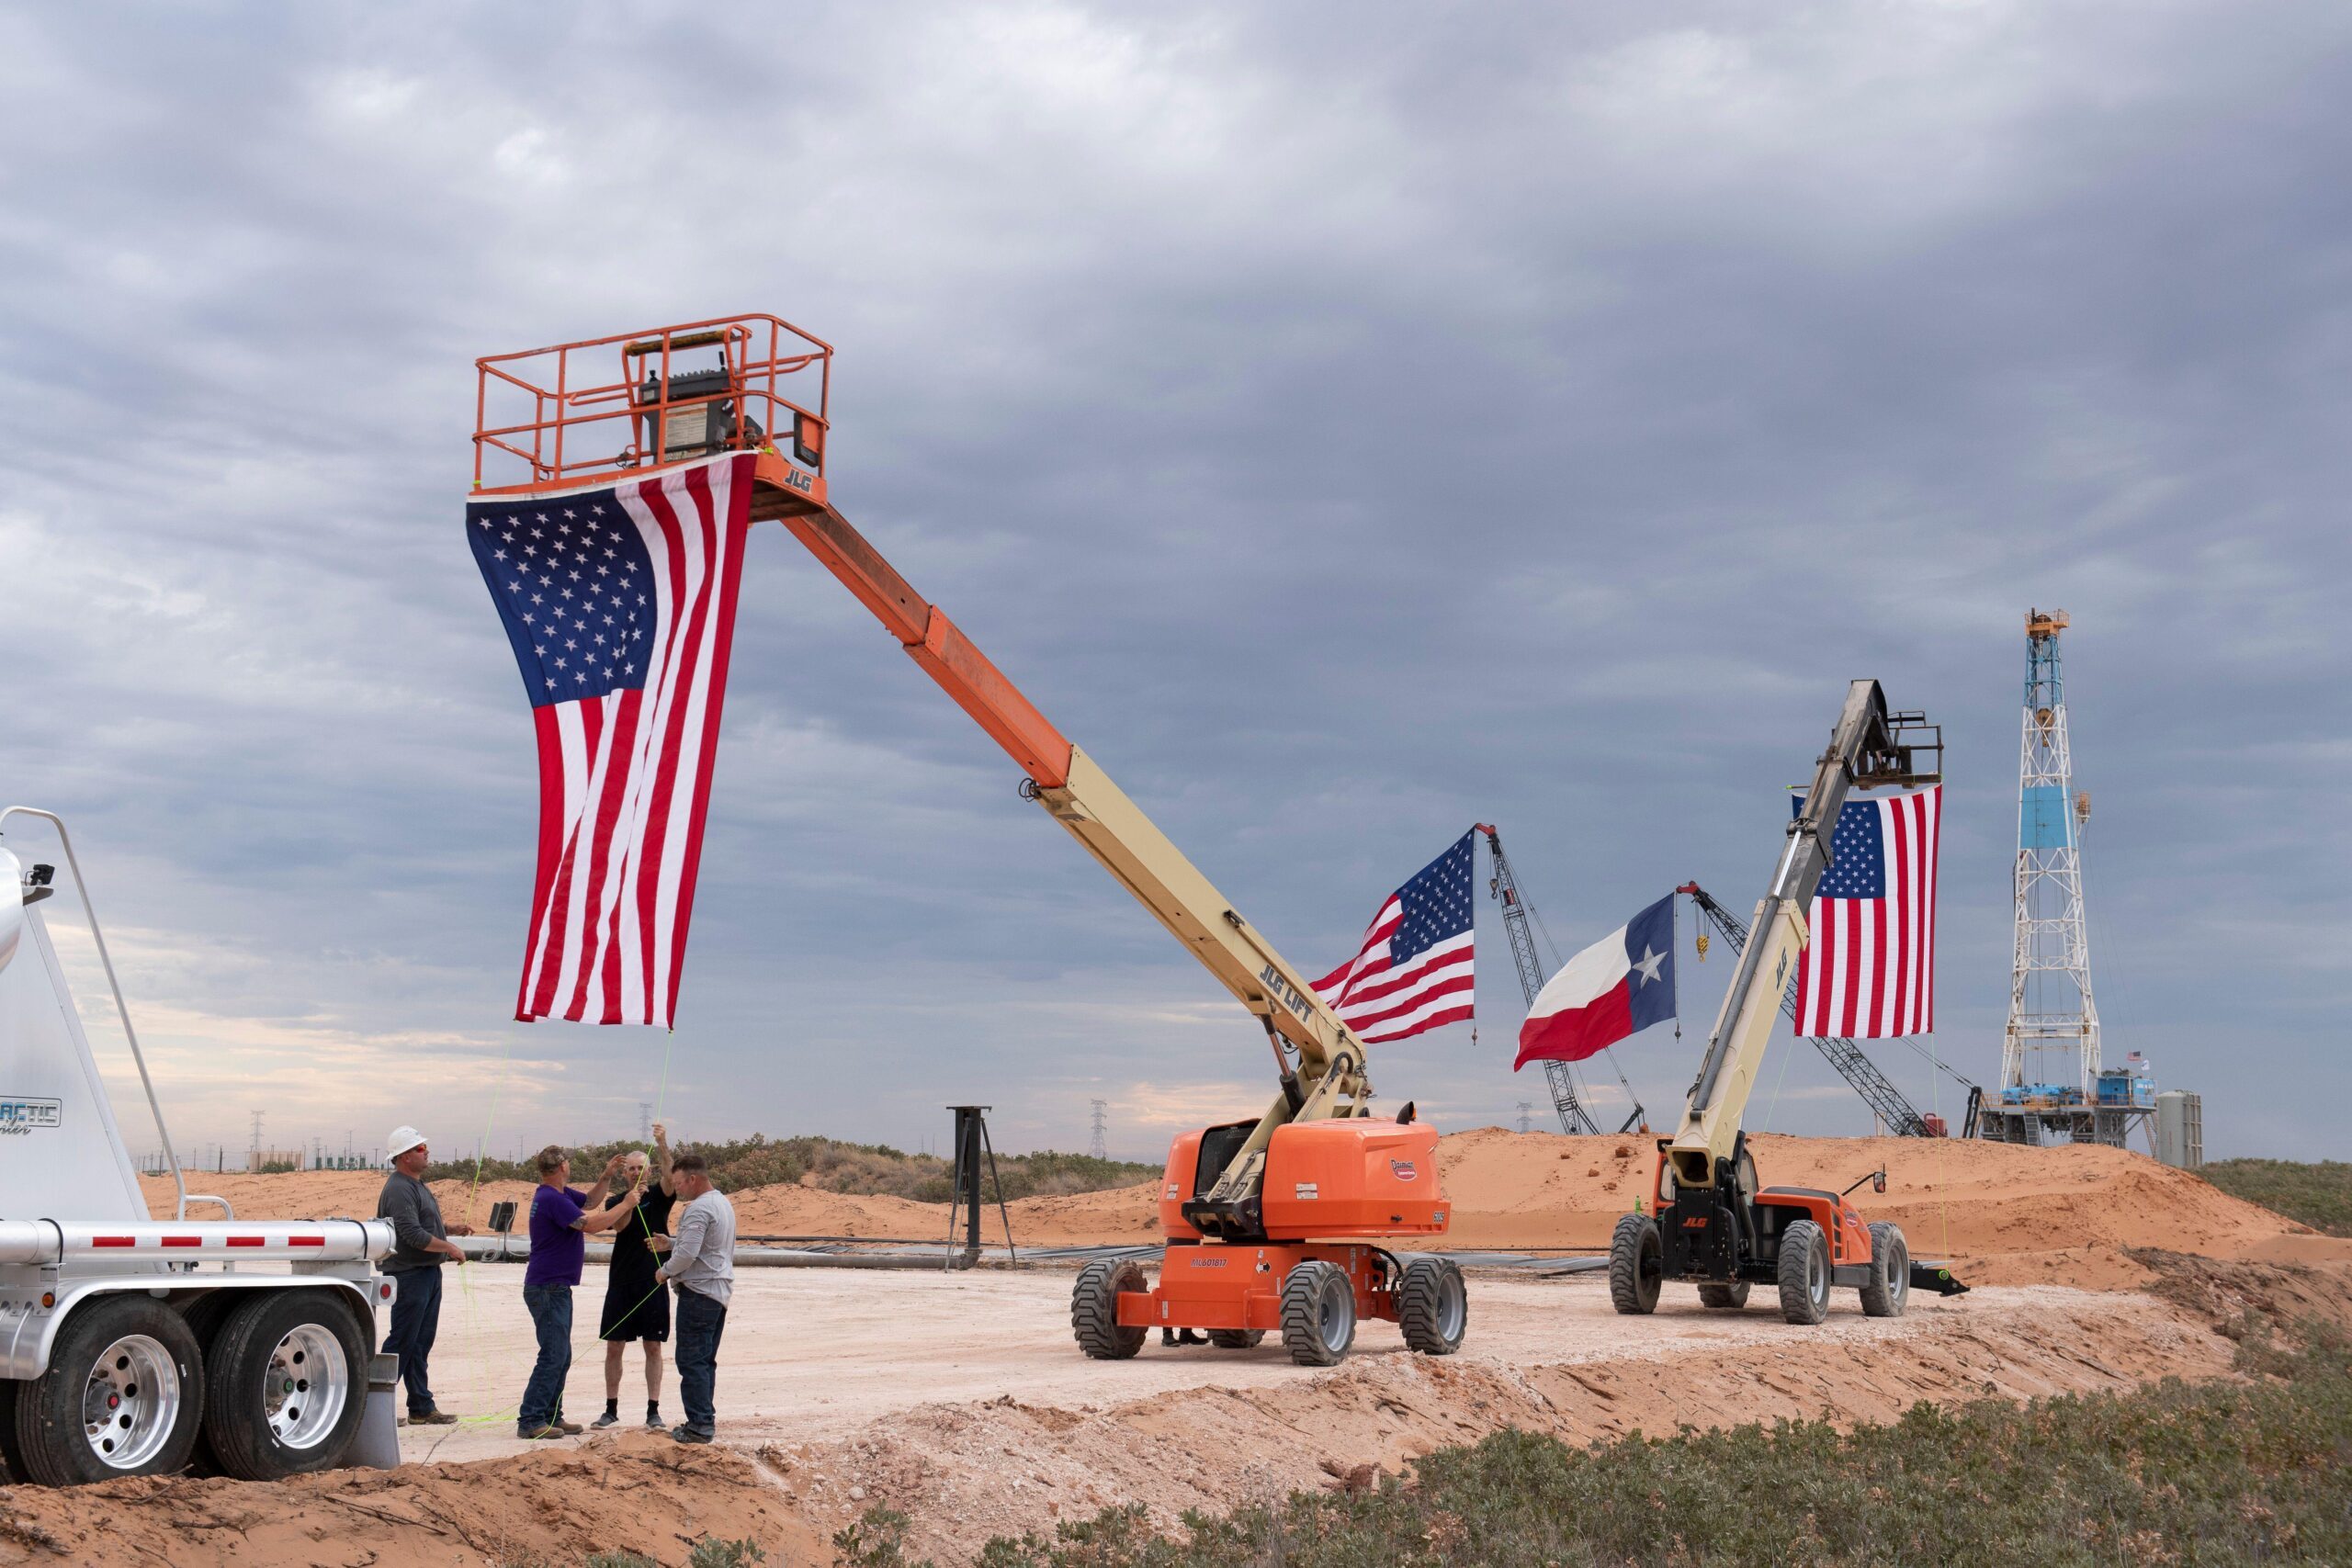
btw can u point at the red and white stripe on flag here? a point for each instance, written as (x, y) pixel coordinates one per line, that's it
(625, 773)
(1416, 966)
(1869, 971)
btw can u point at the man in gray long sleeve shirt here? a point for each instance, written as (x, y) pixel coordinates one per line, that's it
(421, 1244)
(700, 1259)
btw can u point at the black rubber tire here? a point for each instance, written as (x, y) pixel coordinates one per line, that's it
(242, 1372)
(1319, 1314)
(10, 1475)
(1805, 1272)
(1094, 1308)
(51, 1441)
(1889, 1291)
(1433, 1306)
(1235, 1339)
(1725, 1298)
(1636, 1258)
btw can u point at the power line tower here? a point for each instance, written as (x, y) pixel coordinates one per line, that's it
(252, 1160)
(1525, 1107)
(2052, 1085)
(1095, 1146)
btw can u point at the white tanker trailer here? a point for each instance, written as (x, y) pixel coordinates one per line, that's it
(139, 1346)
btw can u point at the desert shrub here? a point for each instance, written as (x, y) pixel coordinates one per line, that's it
(2317, 1195)
(2206, 1474)
(833, 1166)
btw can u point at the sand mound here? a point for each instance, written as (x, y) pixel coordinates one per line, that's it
(2002, 1214)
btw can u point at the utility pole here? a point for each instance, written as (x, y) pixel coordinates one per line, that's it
(1095, 1146)
(1525, 1106)
(252, 1159)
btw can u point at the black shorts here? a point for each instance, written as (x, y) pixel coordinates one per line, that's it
(636, 1309)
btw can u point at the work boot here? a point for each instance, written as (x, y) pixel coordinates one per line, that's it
(688, 1435)
(432, 1418)
(571, 1428)
(531, 1435)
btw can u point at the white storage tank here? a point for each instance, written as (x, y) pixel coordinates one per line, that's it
(2180, 1128)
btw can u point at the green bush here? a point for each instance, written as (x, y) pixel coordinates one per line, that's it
(2317, 1195)
(836, 1166)
(2206, 1474)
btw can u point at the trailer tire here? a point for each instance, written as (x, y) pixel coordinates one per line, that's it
(1319, 1314)
(123, 1395)
(1636, 1264)
(11, 1474)
(1235, 1339)
(1889, 1291)
(286, 1385)
(1433, 1306)
(1805, 1272)
(1094, 1308)
(1725, 1298)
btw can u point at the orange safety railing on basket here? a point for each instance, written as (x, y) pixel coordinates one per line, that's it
(666, 395)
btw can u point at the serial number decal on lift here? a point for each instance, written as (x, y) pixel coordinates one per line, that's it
(19, 1116)
(1289, 995)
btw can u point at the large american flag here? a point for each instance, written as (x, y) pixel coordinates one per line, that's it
(620, 604)
(1413, 971)
(1870, 970)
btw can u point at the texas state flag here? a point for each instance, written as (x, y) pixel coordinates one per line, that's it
(1620, 984)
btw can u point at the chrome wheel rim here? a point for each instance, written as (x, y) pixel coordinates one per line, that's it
(306, 1386)
(1898, 1275)
(131, 1402)
(1816, 1274)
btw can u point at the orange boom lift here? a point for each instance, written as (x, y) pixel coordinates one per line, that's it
(1272, 1223)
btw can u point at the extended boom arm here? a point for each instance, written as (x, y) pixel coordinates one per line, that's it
(1328, 1079)
(1868, 748)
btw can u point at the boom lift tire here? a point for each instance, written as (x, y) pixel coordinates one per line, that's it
(1636, 1260)
(1805, 1272)
(1725, 1298)
(1235, 1339)
(1319, 1314)
(1889, 1291)
(123, 1395)
(285, 1385)
(1094, 1308)
(1433, 1306)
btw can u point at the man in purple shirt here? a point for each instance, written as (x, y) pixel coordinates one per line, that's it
(561, 1217)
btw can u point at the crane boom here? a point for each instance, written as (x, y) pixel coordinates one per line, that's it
(1328, 1079)
(1867, 747)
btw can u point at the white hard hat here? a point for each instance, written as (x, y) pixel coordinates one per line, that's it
(403, 1140)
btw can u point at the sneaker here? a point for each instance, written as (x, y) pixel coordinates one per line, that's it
(688, 1435)
(653, 1421)
(529, 1436)
(609, 1418)
(432, 1418)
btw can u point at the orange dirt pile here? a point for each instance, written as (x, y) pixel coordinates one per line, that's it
(2003, 1216)
(556, 1506)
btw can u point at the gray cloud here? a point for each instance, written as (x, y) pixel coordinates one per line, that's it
(1347, 424)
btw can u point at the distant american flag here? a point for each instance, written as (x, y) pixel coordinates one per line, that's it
(1413, 972)
(620, 603)
(1870, 970)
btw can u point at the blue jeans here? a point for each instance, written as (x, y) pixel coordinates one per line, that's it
(416, 1317)
(550, 1309)
(700, 1323)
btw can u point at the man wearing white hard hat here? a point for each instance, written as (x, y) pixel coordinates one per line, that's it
(422, 1245)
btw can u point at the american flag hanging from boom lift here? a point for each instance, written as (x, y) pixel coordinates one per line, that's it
(619, 603)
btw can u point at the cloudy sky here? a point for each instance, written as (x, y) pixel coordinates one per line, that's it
(1348, 422)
